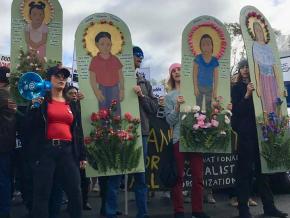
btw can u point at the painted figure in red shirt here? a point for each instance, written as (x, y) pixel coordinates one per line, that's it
(106, 77)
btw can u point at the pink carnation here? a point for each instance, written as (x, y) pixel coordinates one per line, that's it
(214, 123)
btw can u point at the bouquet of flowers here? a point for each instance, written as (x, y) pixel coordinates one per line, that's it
(112, 143)
(275, 138)
(209, 132)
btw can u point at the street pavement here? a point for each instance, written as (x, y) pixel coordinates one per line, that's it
(160, 207)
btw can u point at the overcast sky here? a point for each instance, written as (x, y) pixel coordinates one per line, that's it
(155, 25)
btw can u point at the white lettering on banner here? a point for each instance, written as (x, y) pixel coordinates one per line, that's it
(219, 170)
(219, 182)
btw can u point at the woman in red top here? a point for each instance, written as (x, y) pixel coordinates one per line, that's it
(56, 147)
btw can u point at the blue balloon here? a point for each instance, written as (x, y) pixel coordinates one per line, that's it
(32, 86)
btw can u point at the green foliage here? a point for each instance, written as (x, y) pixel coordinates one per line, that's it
(208, 138)
(112, 144)
(275, 144)
(208, 132)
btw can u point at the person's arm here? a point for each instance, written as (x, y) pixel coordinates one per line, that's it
(171, 111)
(32, 119)
(215, 82)
(122, 86)
(148, 102)
(195, 82)
(241, 100)
(78, 132)
(95, 88)
(7, 123)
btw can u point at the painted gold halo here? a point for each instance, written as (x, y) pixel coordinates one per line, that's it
(49, 10)
(216, 33)
(102, 26)
(253, 17)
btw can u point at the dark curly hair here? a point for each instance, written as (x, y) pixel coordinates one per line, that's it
(40, 5)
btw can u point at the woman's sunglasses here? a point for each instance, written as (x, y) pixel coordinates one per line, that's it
(139, 55)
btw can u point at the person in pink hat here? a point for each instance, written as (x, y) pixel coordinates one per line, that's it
(173, 100)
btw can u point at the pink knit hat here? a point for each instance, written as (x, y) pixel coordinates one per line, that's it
(173, 66)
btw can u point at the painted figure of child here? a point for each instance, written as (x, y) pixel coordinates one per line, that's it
(36, 32)
(265, 71)
(106, 77)
(205, 73)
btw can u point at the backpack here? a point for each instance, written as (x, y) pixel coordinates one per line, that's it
(167, 169)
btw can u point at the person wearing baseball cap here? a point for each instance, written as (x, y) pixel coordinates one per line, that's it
(55, 142)
(148, 105)
(57, 70)
(138, 56)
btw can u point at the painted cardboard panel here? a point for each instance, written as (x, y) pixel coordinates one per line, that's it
(36, 38)
(269, 96)
(121, 51)
(212, 82)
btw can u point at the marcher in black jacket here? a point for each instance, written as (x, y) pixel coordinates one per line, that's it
(55, 158)
(7, 143)
(7, 124)
(72, 94)
(244, 123)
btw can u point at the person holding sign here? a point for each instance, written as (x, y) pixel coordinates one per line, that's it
(205, 73)
(36, 32)
(172, 111)
(148, 105)
(244, 123)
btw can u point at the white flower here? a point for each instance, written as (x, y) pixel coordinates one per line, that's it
(187, 109)
(195, 108)
(31, 64)
(183, 117)
(229, 112)
(223, 133)
(227, 119)
(196, 115)
(45, 59)
(28, 57)
(7, 75)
